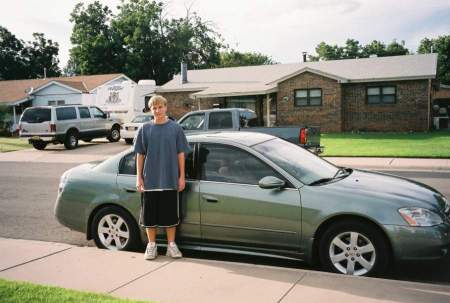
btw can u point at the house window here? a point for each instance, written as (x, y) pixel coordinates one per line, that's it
(308, 97)
(56, 102)
(381, 94)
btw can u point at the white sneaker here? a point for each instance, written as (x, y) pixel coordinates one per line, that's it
(173, 251)
(151, 251)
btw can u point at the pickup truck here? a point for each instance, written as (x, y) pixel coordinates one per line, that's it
(236, 119)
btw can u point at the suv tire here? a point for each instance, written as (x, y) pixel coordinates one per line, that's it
(114, 136)
(71, 140)
(39, 145)
(129, 141)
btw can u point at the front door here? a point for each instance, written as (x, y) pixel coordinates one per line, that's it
(235, 210)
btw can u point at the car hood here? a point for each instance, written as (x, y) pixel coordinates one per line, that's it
(135, 124)
(395, 189)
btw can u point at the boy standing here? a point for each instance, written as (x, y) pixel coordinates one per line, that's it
(160, 148)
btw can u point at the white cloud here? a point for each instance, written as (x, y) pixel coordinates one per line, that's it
(280, 28)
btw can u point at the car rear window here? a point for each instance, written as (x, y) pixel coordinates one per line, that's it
(37, 115)
(66, 113)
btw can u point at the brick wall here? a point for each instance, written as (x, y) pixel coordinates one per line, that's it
(179, 103)
(408, 113)
(328, 116)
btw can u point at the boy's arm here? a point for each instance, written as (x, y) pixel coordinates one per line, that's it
(181, 179)
(139, 169)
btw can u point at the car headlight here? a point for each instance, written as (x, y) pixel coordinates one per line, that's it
(416, 216)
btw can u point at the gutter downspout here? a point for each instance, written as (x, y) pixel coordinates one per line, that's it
(429, 105)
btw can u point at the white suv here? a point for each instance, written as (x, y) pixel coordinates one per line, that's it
(66, 124)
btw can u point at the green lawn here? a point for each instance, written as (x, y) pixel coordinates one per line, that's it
(421, 145)
(12, 144)
(18, 292)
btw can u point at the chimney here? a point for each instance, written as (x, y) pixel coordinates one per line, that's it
(304, 56)
(183, 72)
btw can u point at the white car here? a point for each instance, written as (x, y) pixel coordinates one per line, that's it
(128, 130)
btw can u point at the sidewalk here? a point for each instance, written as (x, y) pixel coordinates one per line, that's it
(128, 275)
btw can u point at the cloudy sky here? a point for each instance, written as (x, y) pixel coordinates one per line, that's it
(279, 28)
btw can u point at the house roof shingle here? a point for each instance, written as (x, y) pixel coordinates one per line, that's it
(14, 90)
(349, 70)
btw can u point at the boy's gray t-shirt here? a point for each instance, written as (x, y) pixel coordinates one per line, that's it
(161, 144)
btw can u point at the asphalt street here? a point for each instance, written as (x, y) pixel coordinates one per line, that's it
(28, 192)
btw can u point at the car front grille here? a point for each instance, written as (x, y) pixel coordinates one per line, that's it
(131, 128)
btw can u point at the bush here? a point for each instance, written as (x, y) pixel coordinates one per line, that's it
(6, 120)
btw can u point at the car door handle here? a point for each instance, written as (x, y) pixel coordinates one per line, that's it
(130, 190)
(210, 199)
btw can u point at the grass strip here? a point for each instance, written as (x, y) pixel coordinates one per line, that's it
(18, 292)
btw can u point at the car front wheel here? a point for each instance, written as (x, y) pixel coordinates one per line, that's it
(129, 141)
(114, 229)
(71, 140)
(354, 248)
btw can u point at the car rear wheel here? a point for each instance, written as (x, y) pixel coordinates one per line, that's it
(354, 248)
(71, 140)
(39, 145)
(115, 134)
(129, 141)
(114, 229)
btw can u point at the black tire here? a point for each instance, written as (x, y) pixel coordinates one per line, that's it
(366, 231)
(129, 224)
(71, 140)
(129, 141)
(39, 145)
(114, 136)
(87, 140)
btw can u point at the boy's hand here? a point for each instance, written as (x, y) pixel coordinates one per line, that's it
(140, 184)
(181, 184)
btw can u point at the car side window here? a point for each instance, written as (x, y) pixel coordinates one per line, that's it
(66, 113)
(193, 122)
(223, 163)
(96, 112)
(220, 120)
(84, 112)
(128, 164)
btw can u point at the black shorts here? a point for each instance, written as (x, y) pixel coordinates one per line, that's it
(160, 208)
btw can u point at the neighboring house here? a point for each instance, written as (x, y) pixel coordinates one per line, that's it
(21, 94)
(373, 94)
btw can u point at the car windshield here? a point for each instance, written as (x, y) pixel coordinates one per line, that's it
(142, 119)
(300, 163)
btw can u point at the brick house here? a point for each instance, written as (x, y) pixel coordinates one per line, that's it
(372, 94)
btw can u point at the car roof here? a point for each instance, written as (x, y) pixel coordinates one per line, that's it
(241, 137)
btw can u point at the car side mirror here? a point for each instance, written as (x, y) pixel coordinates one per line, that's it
(271, 182)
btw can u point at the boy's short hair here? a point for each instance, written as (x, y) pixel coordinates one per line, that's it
(156, 100)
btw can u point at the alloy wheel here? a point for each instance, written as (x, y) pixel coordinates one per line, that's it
(352, 253)
(113, 232)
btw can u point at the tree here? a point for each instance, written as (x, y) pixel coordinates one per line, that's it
(353, 49)
(42, 53)
(20, 60)
(441, 45)
(140, 41)
(234, 58)
(12, 65)
(94, 50)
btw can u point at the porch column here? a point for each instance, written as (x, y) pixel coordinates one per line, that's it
(268, 110)
(14, 116)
